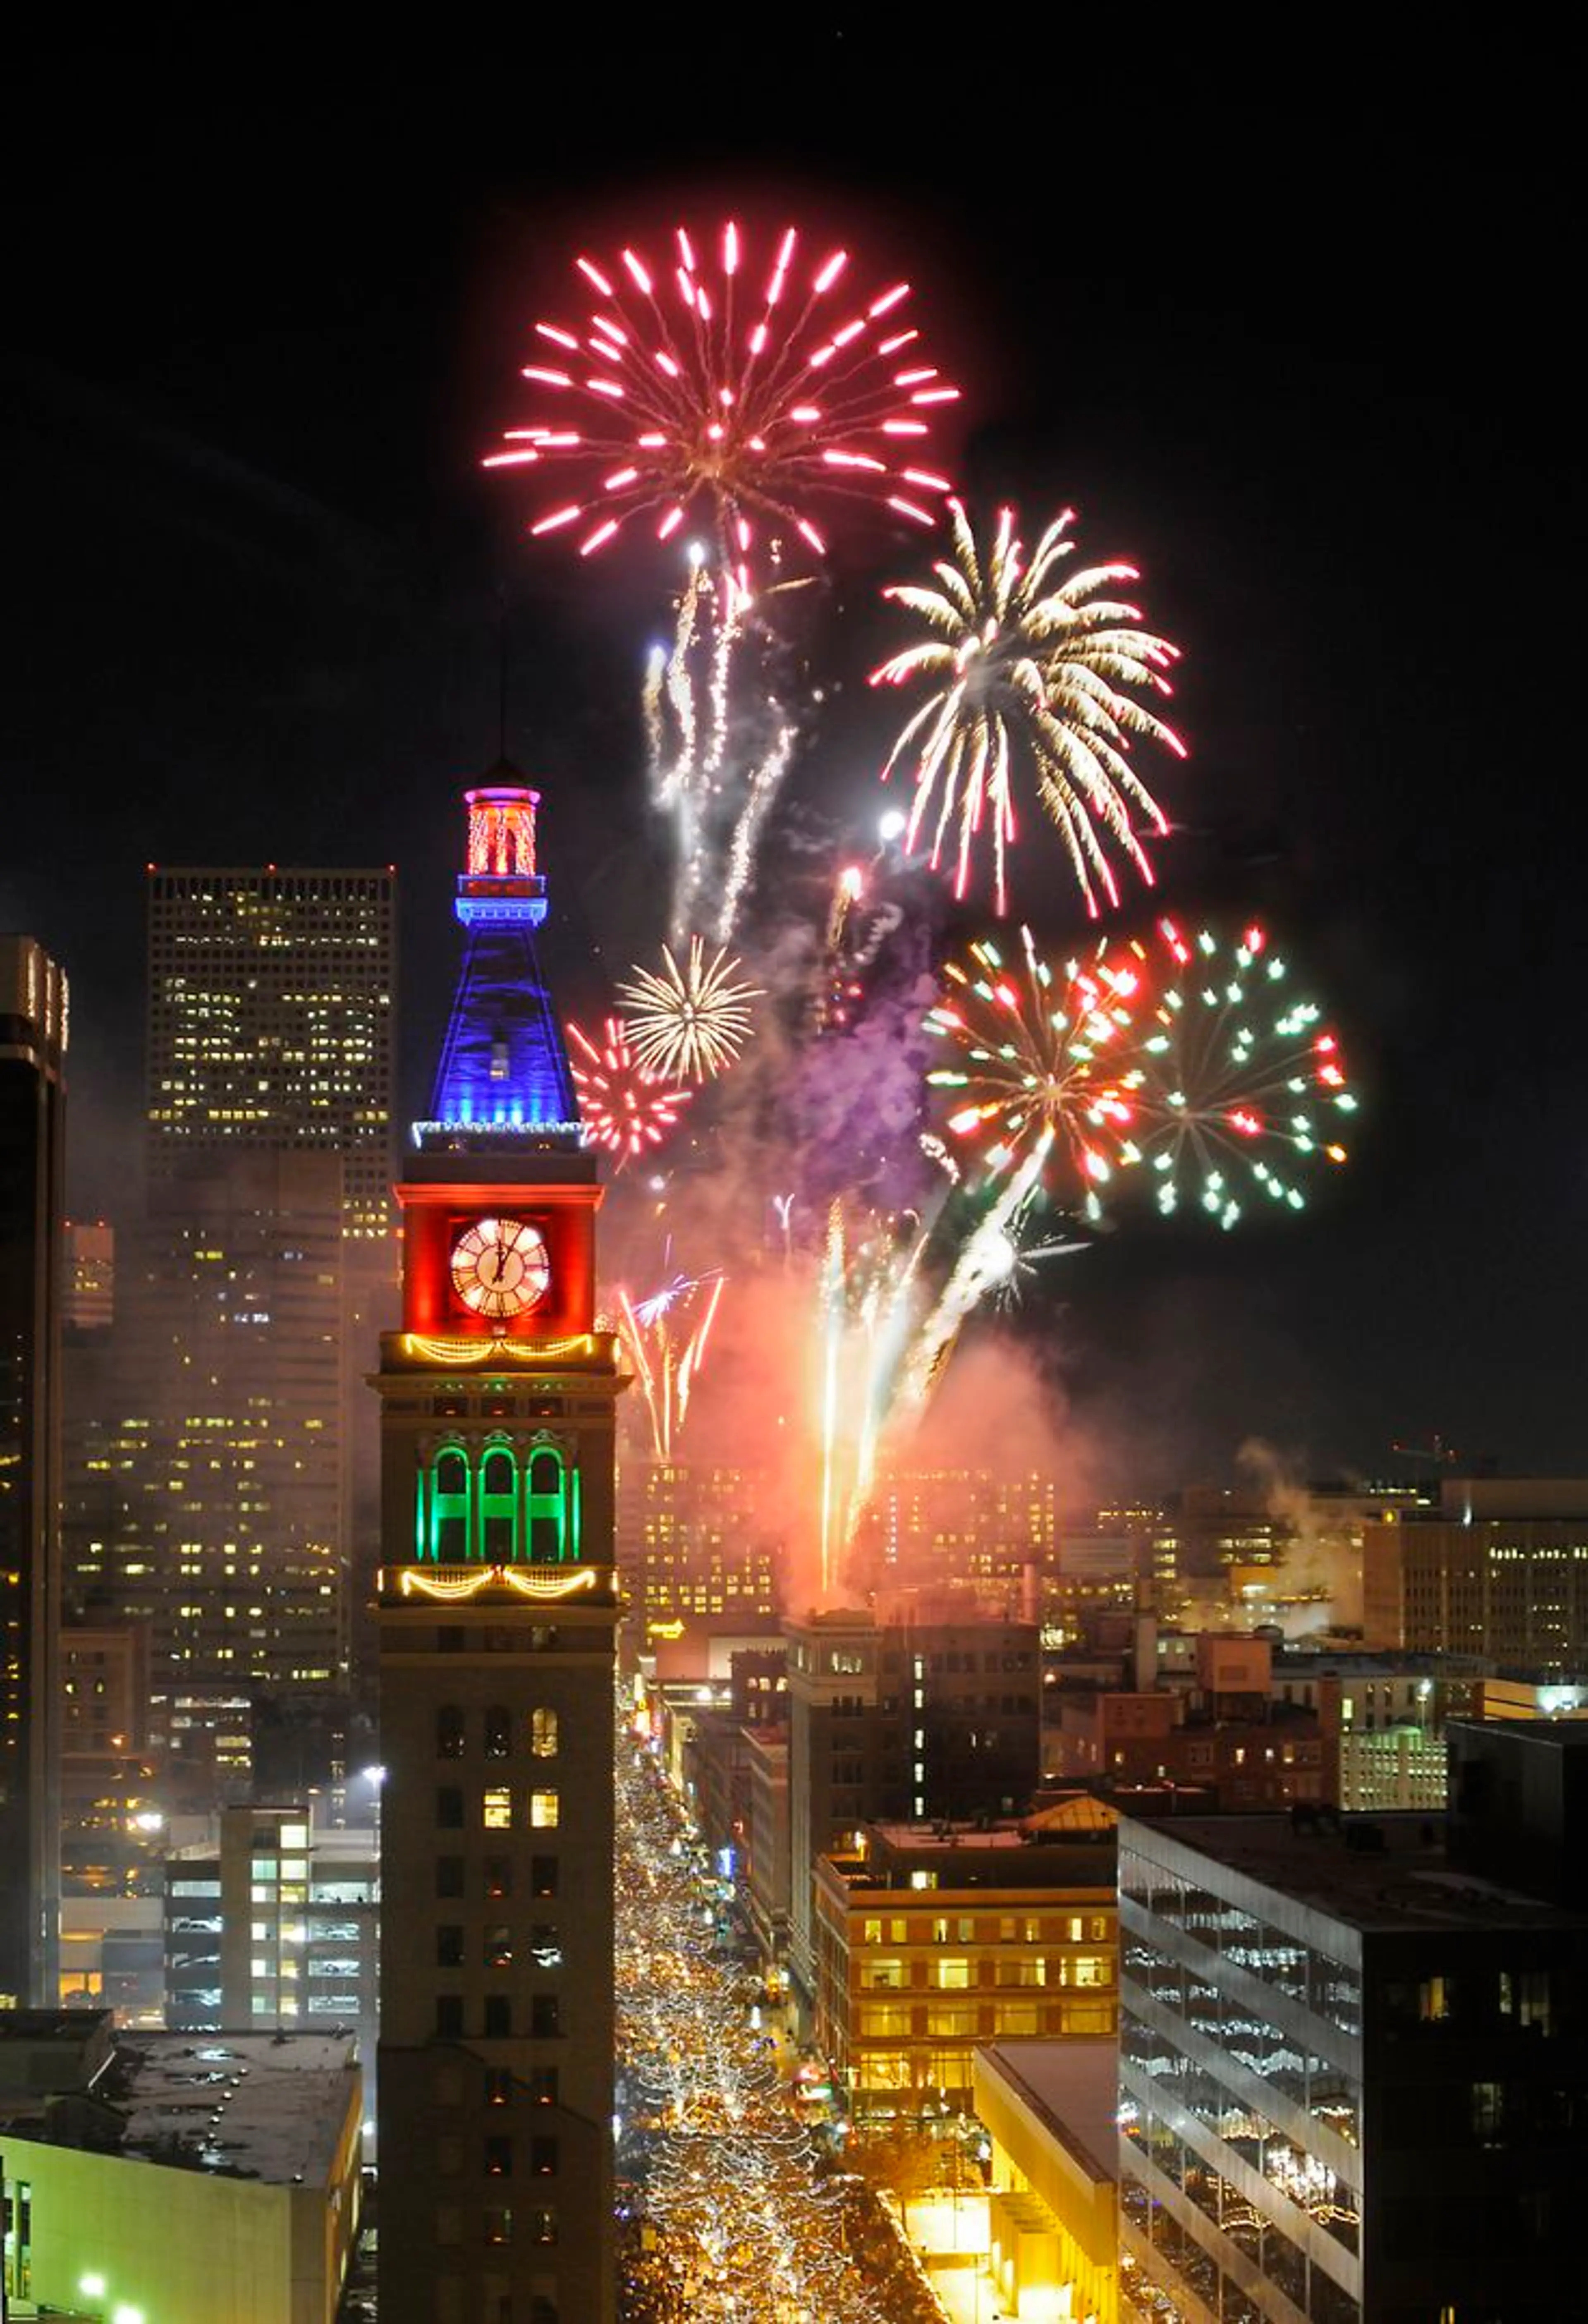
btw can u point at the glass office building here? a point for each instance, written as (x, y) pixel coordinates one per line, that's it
(1353, 2076)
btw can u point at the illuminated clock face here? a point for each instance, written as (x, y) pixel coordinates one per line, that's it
(500, 1268)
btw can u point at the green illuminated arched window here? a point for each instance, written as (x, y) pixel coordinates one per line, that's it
(551, 1507)
(499, 1533)
(476, 1507)
(442, 1521)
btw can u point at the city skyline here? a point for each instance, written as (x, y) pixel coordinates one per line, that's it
(1298, 440)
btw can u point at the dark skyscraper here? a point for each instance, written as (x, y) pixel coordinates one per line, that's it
(271, 998)
(497, 1615)
(215, 1434)
(32, 1050)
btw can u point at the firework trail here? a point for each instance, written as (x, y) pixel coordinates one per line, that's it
(1019, 670)
(715, 766)
(691, 1020)
(664, 1336)
(763, 394)
(1024, 1251)
(982, 1266)
(867, 1302)
(1236, 1079)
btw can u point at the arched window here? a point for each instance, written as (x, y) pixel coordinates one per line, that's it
(545, 1508)
(449, 1732)
(498, 1506)
(449, 1531)
(543, 1734)
(498, 1732)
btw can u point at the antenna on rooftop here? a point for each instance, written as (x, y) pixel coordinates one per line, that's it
(502, 672)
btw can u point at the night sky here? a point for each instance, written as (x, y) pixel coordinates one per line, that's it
(1295, 341)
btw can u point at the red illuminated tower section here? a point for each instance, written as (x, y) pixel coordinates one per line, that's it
(497, 1613)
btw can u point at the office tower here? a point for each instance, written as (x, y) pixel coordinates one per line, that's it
(87, 1298)
(271, 1000)
(112, 1808)
(1352, 2074)
(973, 1532)
(205, 1491)
(697, 1550)
(498, 1611)
(1501, 1570)
(277, 1929)
(33, 1054)
(901, 1721)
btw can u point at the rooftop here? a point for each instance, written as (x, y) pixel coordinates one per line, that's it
(258, 2106)
(1073, 2087)
(1400, 1880)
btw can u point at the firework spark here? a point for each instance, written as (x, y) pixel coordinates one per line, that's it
(690, 1022)
(1021, 670)
(716, 762)
(867, 1310)
(1042, 1055)
(625, 1107)
(760, 389)
(981, 1268)
(1024, 1248)
(1238, 1077)
(664, 1336)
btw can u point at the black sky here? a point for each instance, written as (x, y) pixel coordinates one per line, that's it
(1291, 325)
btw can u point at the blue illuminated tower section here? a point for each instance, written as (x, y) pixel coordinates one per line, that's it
(497, 1610)
(502, 1065)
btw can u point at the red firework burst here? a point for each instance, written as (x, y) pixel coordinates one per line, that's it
(626, 1108)
(761, 394)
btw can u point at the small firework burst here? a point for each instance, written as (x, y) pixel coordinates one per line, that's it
(626, 1107)
(1042, 1053)
(1238, 1082)
(689, 1021)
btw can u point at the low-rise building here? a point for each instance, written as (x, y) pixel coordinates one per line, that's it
(933, 1939)
(1050, 2110)
(173, 2180)
(766, 1843)
(1226, 1735)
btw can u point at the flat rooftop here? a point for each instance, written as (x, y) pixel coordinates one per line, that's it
(1406, 1883)
(1073, 2087)
(928, 1839)
(251, 2104)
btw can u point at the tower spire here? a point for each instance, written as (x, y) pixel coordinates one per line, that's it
(504, 1071)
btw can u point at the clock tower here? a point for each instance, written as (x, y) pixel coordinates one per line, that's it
(497, 1612)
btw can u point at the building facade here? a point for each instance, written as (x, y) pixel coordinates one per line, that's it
(930, 1941)
(1354, 2079)
(1050, 2111)
(1501, 1570)
(497, 1610)
(270, 1022)
(32, 1096)
(277, 1929)
(153, 2183)
(900, 1720)
(206, 1476)
(696, 1547)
